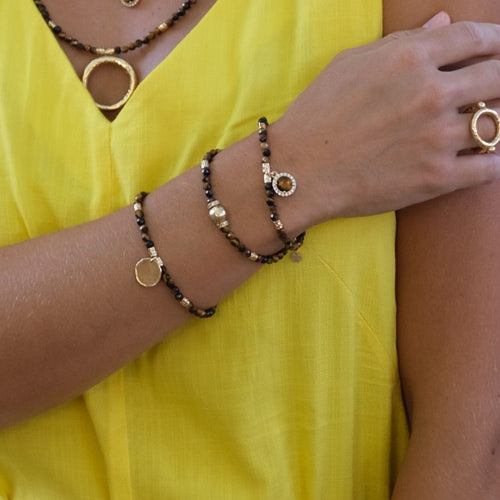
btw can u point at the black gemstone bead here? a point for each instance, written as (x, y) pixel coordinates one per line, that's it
(263, 138)
(209, 193)
(206, 171)
(149, 244)
(140, 221)
(268, 185)
(57, 29)
(274, 216)
(179, 296)
(270, 203)
(263, 119)
(266, 152)
(117, 50)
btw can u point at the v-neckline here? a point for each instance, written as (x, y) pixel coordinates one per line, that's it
(80, 92)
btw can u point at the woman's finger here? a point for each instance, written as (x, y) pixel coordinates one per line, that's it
(437, 21)
(459, 41)
(477, 82)
(475, 169)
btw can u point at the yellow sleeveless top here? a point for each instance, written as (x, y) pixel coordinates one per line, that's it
(291, 391)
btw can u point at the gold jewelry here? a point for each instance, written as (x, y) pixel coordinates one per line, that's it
(150, 270)
(129, 3)
(118, 49)
(119, 62)
(479, 110)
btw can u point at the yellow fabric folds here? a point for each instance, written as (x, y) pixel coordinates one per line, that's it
(292, 390)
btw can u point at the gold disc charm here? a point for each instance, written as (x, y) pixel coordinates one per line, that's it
(148, 271)
(129, 3)
(92, 65)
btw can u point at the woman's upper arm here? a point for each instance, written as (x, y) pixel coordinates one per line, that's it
(448, 255)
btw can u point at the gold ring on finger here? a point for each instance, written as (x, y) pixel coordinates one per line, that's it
(480, 110)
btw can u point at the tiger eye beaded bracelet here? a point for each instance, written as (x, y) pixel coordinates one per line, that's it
(219, 216)
(281, 183)
(150, 270)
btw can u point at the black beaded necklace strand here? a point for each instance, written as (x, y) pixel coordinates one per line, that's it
(109, 54)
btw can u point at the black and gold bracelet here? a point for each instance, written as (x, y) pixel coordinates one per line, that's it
(218, 215)
(150, 270)
(278, 183)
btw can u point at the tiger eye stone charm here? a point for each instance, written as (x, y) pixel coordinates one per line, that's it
(284, 184)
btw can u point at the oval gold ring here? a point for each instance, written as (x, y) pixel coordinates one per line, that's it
(481, 110)
(92, 65)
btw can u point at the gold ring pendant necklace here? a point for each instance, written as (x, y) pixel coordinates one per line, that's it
(109, 55)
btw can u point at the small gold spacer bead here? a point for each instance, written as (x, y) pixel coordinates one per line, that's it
(253, 256)
(185, 303)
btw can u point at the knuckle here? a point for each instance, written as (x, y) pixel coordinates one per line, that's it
(438, 176)
(413, 53)
(433, 95)
(397, 35)
(437, 139)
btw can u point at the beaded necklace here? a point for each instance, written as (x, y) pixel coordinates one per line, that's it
(108, 55)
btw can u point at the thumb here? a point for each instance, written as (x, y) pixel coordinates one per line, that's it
(440, 19)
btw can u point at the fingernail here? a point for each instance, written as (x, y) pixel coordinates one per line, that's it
(440, 19)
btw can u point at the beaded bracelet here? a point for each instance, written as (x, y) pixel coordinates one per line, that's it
(280, 183)
(218, 215)
(150, 270)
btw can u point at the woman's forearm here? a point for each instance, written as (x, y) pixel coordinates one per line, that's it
(448, 323)
(72, 311)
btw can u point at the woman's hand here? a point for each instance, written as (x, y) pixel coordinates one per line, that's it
(380, 128)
